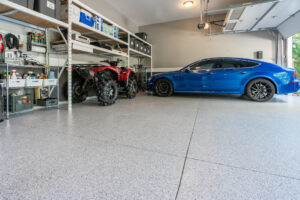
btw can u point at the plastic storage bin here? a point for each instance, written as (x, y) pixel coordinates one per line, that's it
(18, 83)
(26, 3)
(108, 29)
(145, 49)
(149, 51)
(143, 36)
(20, 103)
(34, 83)
(75, 13)
(87, 18)
(116, 32)
(47, 102)
(97, 24)
(137, 45)
(48, 7)
(141, 48)
(49, 82)
(132, 43)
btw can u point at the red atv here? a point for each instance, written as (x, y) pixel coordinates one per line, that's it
(106, 82)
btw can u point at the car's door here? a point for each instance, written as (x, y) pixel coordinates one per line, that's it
(227, 75)
(196, 76)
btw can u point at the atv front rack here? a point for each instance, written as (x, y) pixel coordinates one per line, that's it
(87, 65)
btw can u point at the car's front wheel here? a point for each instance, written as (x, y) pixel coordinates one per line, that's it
(260, 90)
(163, 88)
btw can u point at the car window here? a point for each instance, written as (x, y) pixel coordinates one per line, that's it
(205, 65)
(233, 64)
(226, 65)
(249, 64)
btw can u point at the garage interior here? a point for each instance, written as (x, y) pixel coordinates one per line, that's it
(186, 146)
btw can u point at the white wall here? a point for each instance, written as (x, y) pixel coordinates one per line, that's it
(179, 43)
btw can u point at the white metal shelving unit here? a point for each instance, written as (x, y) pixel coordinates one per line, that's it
(20, 15)
(98, 35)
(30, 17)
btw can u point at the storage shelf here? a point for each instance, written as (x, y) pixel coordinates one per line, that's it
(28, 66)
(122, 30)
(25, 66)
(35, 108)
(140, 39)
(135, 53)
(38, 45)
(99, 50)
(18, 12)
(87, 31)
(85, 7)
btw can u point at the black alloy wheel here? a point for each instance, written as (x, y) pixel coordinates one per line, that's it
(163, 88)
(260, 90)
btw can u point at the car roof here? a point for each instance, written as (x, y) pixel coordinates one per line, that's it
(233, 58)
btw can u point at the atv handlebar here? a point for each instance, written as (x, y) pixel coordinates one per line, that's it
(113, 63)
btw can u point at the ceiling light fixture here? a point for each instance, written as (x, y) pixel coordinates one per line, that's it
(207, 26)
(188, 3)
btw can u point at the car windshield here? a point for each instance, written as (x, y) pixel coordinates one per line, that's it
(190, 65)
(200, 65)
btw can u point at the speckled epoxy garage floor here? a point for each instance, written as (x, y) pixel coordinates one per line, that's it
(184, 147)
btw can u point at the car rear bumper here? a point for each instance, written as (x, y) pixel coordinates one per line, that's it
(290, 88)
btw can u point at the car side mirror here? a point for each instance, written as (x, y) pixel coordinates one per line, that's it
(187, 71)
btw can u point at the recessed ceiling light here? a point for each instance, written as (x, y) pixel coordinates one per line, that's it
(188, 3)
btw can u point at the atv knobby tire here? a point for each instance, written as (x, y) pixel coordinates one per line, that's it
(107, 89)
(78, 96)
(132, 88)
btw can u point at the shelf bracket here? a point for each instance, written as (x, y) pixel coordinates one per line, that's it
(59, 75)
(9, 12)
(62, 35)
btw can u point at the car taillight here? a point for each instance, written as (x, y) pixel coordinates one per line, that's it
(1, 44)
(295, 74)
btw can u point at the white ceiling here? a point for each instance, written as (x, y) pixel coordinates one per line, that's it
(146, 12)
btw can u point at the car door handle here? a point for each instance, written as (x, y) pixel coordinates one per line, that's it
(243, 72)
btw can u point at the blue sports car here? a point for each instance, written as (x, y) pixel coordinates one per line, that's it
(256, 79)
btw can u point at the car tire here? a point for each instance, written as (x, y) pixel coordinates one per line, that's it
(260, 90)
(163, 88)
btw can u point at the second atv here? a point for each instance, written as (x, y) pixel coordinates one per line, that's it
(104, 81)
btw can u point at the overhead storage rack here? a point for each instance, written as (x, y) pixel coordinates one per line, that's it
(17, 12)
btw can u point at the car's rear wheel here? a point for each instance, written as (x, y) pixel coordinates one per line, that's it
(163, 88)
(260, 90)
